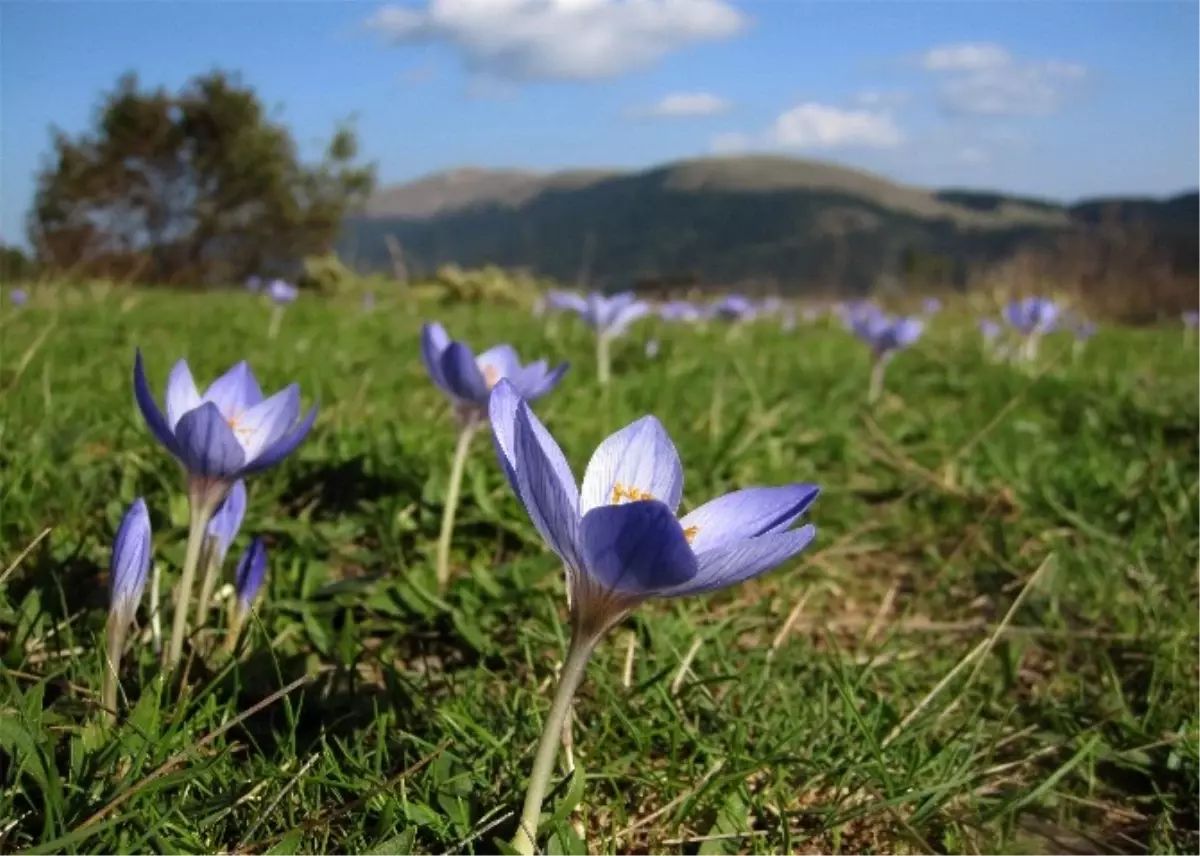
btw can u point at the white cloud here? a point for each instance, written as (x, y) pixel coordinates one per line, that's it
(980, 79)
(823, 126)
(882, 99)
(526, 40)
(969, 56)
(815, 126)
(683, 105)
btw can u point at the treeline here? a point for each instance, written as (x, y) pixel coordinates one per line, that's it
(186, 188)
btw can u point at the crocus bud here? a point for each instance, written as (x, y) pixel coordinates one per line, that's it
(251, 574)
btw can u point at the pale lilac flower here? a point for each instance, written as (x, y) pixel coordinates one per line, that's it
(619, 538)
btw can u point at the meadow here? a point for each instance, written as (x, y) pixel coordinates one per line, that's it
(990, 647)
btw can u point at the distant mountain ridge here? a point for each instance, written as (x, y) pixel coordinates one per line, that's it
(788, 222)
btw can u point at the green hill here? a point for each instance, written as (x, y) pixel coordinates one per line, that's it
(775, 221)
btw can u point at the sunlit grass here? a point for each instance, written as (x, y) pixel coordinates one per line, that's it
(1031, 534)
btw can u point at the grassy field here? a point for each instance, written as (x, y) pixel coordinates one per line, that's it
(991, 646)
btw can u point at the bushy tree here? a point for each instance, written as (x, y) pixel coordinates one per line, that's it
(193, 187)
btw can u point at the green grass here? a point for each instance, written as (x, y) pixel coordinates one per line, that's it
(1047, 523)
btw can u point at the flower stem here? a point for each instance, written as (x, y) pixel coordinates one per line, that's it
(200, 513)
(602, 359)
(208, 561)
(878, 369)
(276, 321)
(543, 764)
(112, 664)
(451, 506)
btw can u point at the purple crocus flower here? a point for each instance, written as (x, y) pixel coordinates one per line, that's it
(467, 380)
(564, 301)
(127, 574)
(1191, 319)
(250, 575)
(931, 305)
(19, 297)
(253, 284)
(734, 307)
(621, 543)
(126, 582)
(678, 310)
(282, 292)
(1032, 316)
(610, 316)
(989, 329)
(885, 334)
(226, 521)
(229, 432)
(130, 564)
(619, 538)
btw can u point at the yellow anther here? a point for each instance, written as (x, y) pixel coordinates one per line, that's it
(232, 422)
(690, 533)
(620, 492)
(491, 376)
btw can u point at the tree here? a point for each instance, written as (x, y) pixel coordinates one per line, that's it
(194, 187)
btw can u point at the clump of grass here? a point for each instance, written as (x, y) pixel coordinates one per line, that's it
(992, 645)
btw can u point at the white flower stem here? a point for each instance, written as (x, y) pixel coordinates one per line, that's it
(208, 560)
(115, 639)
(276, 321)
(543, 763)
(878, 370)
(451, 506)
(200, 512)
(602, 359)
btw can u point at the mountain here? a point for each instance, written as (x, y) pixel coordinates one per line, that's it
(779, 222)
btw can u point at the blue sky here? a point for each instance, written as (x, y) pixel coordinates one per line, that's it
(1059, 100)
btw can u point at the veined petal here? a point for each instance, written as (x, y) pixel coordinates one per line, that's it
(155, 420)
(500, 361)
(284, 446)
(434, 341)
(206, 443)
(740, 560)
(502, 413)
(463, 378)
(235, 391)
(130, 563)
(227, 519)
(544, 383)
(251, 573)
(182, 395)
(267, 421)
(546, 485)
(626, 315)
(638, 548)
(638, 462)
(747, 513)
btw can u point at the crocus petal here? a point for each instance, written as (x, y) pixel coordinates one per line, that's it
(182, 395)
(155, 420)
(502, 413)
(637, 462)
(502, 360)
(282, 447)
(250, 573)
(747, 513)
(463, 378)
(534, 385)
(130, 563)
(235, 391)
(227, 519)
(546, 485)
(434, 341)
(625, 316)
(741, 560)
(636, 548)
(267, 421)
(206, 443)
